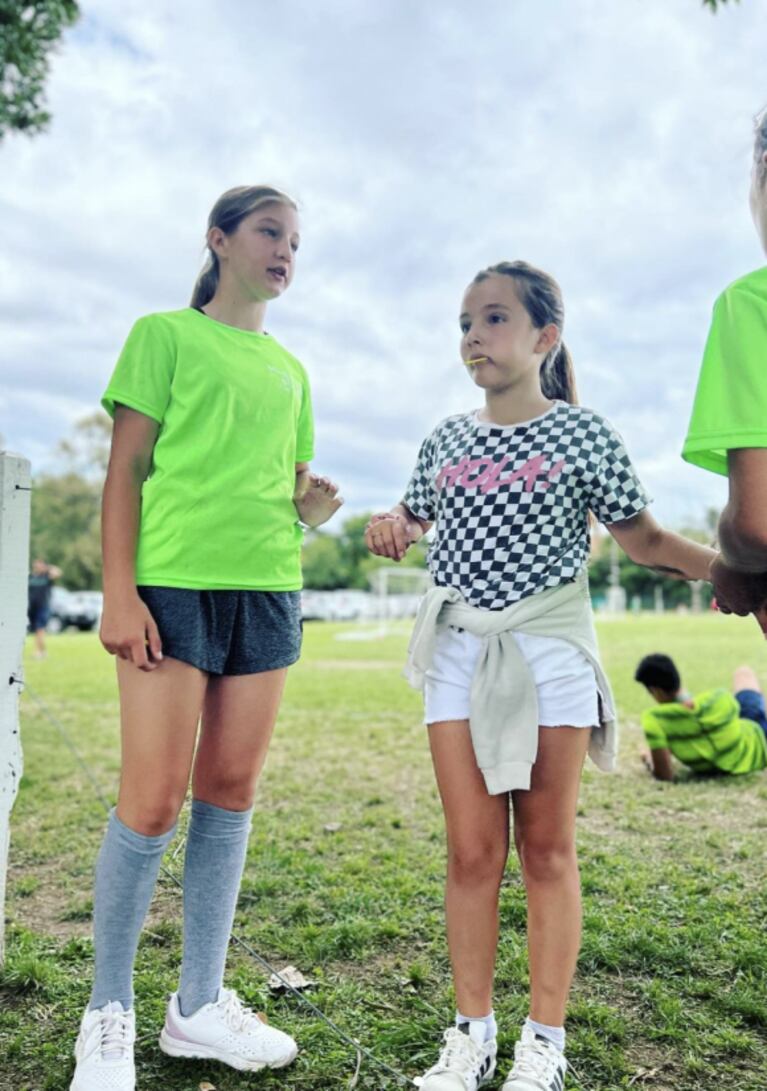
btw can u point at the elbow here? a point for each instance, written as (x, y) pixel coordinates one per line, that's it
(743, 538)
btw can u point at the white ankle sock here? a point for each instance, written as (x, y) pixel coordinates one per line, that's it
(481, 1027)
(555, 1035)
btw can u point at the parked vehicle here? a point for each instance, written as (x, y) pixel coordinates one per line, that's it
(80, 609)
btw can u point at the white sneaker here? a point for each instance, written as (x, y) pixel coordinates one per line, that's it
(226, 1031)
(538, 1065)
(463, 1065)
(104, 1050)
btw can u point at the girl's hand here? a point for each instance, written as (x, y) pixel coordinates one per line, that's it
(319, 501)
(738, 592)
(388, 534)
(129, 631)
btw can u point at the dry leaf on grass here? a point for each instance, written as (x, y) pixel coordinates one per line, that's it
(292, 976)
(205, 1086)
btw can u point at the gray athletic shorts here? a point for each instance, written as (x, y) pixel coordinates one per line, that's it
(227, 632)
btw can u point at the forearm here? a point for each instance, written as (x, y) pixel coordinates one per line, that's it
(675, 556)
(120, 519)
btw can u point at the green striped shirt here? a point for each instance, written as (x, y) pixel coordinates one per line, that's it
(709, 736)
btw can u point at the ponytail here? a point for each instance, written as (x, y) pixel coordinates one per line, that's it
(558, 376)
(207, 282)
(227, 214)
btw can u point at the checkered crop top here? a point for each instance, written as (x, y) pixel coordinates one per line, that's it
(511, 502)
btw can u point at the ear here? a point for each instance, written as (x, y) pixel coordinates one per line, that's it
(547, 338)
(216, 240)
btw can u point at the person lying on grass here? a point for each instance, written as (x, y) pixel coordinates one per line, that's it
(716, 732)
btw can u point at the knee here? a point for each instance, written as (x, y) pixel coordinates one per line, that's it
(476, 864)
(230, 792)
(546, 861)
(150, 818)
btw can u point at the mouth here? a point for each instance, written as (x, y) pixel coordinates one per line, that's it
(474, 361)
(278, 273)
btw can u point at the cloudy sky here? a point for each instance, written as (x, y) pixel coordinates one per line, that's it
(609, 143)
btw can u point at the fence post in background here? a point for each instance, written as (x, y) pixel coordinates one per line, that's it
(15, 494)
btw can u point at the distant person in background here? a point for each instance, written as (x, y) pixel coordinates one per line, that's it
(728, 428)
(41, 581)
(715, 732)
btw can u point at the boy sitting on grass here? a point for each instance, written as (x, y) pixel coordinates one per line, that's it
(717, 731)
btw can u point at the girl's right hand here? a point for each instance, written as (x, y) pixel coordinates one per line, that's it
(388, 535)
(129, 631)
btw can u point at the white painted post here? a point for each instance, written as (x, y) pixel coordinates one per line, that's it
(15, 493)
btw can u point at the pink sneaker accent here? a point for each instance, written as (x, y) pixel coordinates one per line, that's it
(226, 1031)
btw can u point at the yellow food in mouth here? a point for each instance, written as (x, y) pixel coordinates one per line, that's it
(476, 360)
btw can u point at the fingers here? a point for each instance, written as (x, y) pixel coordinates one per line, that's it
(387, 537)
(323, 484)
(153, 639)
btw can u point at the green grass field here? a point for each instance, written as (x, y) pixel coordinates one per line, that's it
(671, 991)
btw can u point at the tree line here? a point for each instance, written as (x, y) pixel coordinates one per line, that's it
(66, 532)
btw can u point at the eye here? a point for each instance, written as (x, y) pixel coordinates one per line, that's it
(294, 247)
(270, 231)
(465, 328)
(494, 319)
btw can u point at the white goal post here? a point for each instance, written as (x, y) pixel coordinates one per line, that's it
(15, 491)
(398, 590)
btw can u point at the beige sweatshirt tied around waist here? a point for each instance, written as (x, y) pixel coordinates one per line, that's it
(504, 702)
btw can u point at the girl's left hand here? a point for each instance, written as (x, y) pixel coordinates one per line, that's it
(319, 502)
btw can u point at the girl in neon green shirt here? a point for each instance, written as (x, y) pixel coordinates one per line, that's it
(208, 483)
(728, 428)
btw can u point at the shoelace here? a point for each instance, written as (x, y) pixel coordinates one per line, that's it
(460, 1052)
(115, 1040)
(237, 1016)
(535, 1059)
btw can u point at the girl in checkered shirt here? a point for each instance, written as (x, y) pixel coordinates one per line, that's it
(509, 489)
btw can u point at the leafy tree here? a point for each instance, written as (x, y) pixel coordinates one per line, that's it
(332, 561)
(323, 563)
(714, 5)
(28, 34)
(65, 527)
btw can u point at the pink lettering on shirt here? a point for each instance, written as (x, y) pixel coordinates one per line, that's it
(485, 473)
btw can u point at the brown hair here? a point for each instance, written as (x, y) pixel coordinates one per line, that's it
(541, 297)
(760, 145)
(227, 214)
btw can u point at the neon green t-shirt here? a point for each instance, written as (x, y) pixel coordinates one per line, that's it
(730, 408)
(711, 735)
(235, 415)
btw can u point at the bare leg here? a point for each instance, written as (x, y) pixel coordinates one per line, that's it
(544, 832)
(745, 678)
(159, 712)
(237, 724)
(238, 719)
(477, 845)
(39, 643)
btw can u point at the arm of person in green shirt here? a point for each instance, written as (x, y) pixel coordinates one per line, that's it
(740, 575)
(659, 763)
(128, 630)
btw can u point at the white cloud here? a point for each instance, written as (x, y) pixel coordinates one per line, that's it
(608, 143)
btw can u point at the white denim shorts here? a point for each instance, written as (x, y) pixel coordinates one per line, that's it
(564, 679)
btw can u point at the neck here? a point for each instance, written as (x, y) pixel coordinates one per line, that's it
(231, 309)
(514, 404)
